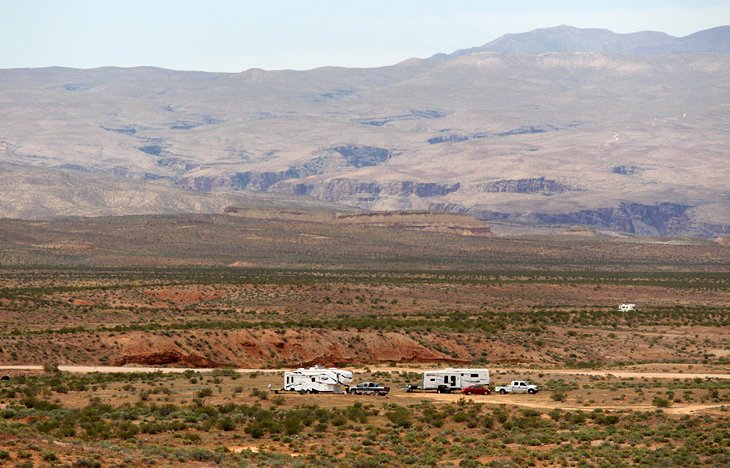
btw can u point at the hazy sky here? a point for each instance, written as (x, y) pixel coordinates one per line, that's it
(230, 35)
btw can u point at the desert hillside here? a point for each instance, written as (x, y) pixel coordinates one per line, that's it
(560, 126)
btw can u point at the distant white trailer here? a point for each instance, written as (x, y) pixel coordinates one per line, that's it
(626, 307)
(454, 379)
(317, 379)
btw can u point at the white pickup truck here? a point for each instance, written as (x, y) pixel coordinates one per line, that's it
(517, 386)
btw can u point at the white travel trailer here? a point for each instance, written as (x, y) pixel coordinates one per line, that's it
(626, 307)
(317, 379)
(453, 379)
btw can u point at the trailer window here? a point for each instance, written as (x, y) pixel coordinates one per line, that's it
(475, 375)
(313, 379)
(446, 379)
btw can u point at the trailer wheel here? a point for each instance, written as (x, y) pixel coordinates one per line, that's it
(503, 392)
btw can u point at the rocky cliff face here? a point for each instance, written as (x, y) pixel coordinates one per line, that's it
(366, 194)
(539, 185)
(336, 159)
(426, 221)
(662, 219)
(249, 180)
(363, 156)
(629, 170)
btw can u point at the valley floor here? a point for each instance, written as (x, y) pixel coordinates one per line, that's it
(106, 361)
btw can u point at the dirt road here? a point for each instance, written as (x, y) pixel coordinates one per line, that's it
(495, 371)
(130, 369)
(540, 401)
(620, 374)
(543, 401)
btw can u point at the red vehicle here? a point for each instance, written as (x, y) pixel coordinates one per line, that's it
(476, 390)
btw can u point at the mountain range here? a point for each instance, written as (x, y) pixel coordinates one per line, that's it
(561, 126)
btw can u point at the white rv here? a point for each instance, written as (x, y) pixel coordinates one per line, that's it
(626, 307)
(317, 379)
(454, 379)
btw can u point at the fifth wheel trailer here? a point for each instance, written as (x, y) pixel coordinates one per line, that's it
(454, 379)
(317, 380)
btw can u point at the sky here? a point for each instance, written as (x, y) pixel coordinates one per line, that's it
(235, 35)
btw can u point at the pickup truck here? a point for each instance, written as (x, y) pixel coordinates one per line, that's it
(517, 386)
(368, 388)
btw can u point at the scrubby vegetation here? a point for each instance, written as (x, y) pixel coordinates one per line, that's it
(207, 314)
(368, 298)
(154, 418)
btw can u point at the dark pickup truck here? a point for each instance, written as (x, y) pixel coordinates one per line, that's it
(368, 388)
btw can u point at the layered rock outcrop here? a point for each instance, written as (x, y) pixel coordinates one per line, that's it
(530, 185)
(662, 219)
(366, 193)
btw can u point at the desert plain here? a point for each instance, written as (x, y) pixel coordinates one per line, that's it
(155, 340)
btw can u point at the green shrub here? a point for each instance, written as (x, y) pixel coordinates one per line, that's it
(192, 438)
(86, 463)
(198, 454)
(555, 414)
(127, 430)
(255, 429)
(470, 463)
(501, 414)
(293, 424)
(660, 402)
(487, 422)
(399, 416)
(357, 413)
(607, 419)
(226, 424)
(40, 405)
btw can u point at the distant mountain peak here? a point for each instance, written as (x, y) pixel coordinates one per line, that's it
(564, 38)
